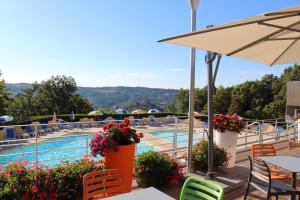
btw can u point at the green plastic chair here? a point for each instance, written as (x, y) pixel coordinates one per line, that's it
(196, 188)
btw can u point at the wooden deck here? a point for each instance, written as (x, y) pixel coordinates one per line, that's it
(236, 178)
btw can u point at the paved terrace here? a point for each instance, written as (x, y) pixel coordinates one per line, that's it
(234, 180)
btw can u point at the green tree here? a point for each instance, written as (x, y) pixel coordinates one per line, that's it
(79, 104)
(222, 99)
(182, 100)
(56, 93)
(4, 97)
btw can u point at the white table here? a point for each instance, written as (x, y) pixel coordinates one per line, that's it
(290, 163)
(143, 194)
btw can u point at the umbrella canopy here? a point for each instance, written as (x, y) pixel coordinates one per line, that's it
(95, 112)
(6, 118)
(121, 111)
(195, 114)
(271, 38)
(72, 116)
(54, 117)
(153, 111)
(138, 111)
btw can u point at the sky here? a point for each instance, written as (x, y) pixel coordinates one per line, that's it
(114, 43)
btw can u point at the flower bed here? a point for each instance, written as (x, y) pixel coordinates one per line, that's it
(153, 169)
(64, 181)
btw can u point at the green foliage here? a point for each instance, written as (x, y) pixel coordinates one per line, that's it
(4, 97)
(65, 180)
(14, 181)
(200, 156)
(259, 99)
(153, 169)
(56, 94)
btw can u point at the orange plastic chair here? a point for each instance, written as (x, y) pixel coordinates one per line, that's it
(293, 145)
(269, 150)
(102, 184)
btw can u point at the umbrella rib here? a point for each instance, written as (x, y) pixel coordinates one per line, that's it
(281, 27)
(282, 53)
(261, 39)
(276, 39)
(227, 26)
(282, 12)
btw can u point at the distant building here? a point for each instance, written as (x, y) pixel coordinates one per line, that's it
(292, 99)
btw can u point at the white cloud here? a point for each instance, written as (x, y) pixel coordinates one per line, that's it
(177, 70)
(143, 75)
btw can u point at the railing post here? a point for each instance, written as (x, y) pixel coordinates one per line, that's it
(175, 139)
(87, 146)
(298, 129)
(260, 140)
(36, 145)
(276, 131)
(246, 135)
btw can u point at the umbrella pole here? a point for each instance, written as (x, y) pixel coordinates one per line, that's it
(209, 58)
(191, 94)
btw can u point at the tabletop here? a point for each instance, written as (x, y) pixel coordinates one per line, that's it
(144, 194)
(290, 163)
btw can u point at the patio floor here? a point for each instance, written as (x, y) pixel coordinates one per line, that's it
(236, 178)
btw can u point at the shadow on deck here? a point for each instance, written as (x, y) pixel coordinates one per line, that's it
(235, 179)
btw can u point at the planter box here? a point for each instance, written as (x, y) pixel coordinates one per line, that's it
(228, 141)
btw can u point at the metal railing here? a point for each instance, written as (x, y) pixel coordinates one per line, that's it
(71, 140)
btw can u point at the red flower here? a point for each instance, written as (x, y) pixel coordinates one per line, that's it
(125, 130)
(137, 140)
(34, 189)
(141, 135)
(126, 121)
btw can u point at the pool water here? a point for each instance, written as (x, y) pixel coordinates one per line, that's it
(70, 147)
(182, 136)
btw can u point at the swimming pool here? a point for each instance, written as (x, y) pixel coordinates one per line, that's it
(52, 151)
(182, 136)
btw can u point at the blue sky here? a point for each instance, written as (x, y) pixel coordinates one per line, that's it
(114, 43)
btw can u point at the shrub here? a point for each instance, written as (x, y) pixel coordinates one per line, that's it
(200, 156)
(65, 179)
(69, 177)
(14, 181)
(156, 169)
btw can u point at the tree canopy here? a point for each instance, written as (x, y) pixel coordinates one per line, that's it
(259, 99)
(59, 94)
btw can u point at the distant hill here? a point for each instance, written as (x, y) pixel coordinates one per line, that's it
(112, 97)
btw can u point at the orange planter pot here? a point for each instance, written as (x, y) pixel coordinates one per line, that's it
(123, 159)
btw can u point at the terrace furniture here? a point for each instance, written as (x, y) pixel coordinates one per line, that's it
(20, 133)
(102, 184)
(144, 194)
(289, 163)
(260, 178)
(54, 127)
(46, 128)
(293, 145)
(29, 131)
(269, 150)
(199, 188)
(10, 134)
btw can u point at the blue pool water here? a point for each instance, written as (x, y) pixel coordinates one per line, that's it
(182, 136)
(76, 141)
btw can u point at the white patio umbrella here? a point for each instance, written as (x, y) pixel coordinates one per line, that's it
(271, 38)
(6, 118)
(54, 117)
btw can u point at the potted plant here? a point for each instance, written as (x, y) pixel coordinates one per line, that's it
(153, 169)
(200, 156)
(116, 143)
(227, 128)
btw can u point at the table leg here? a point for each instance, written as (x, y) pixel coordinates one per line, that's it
(294, 180)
